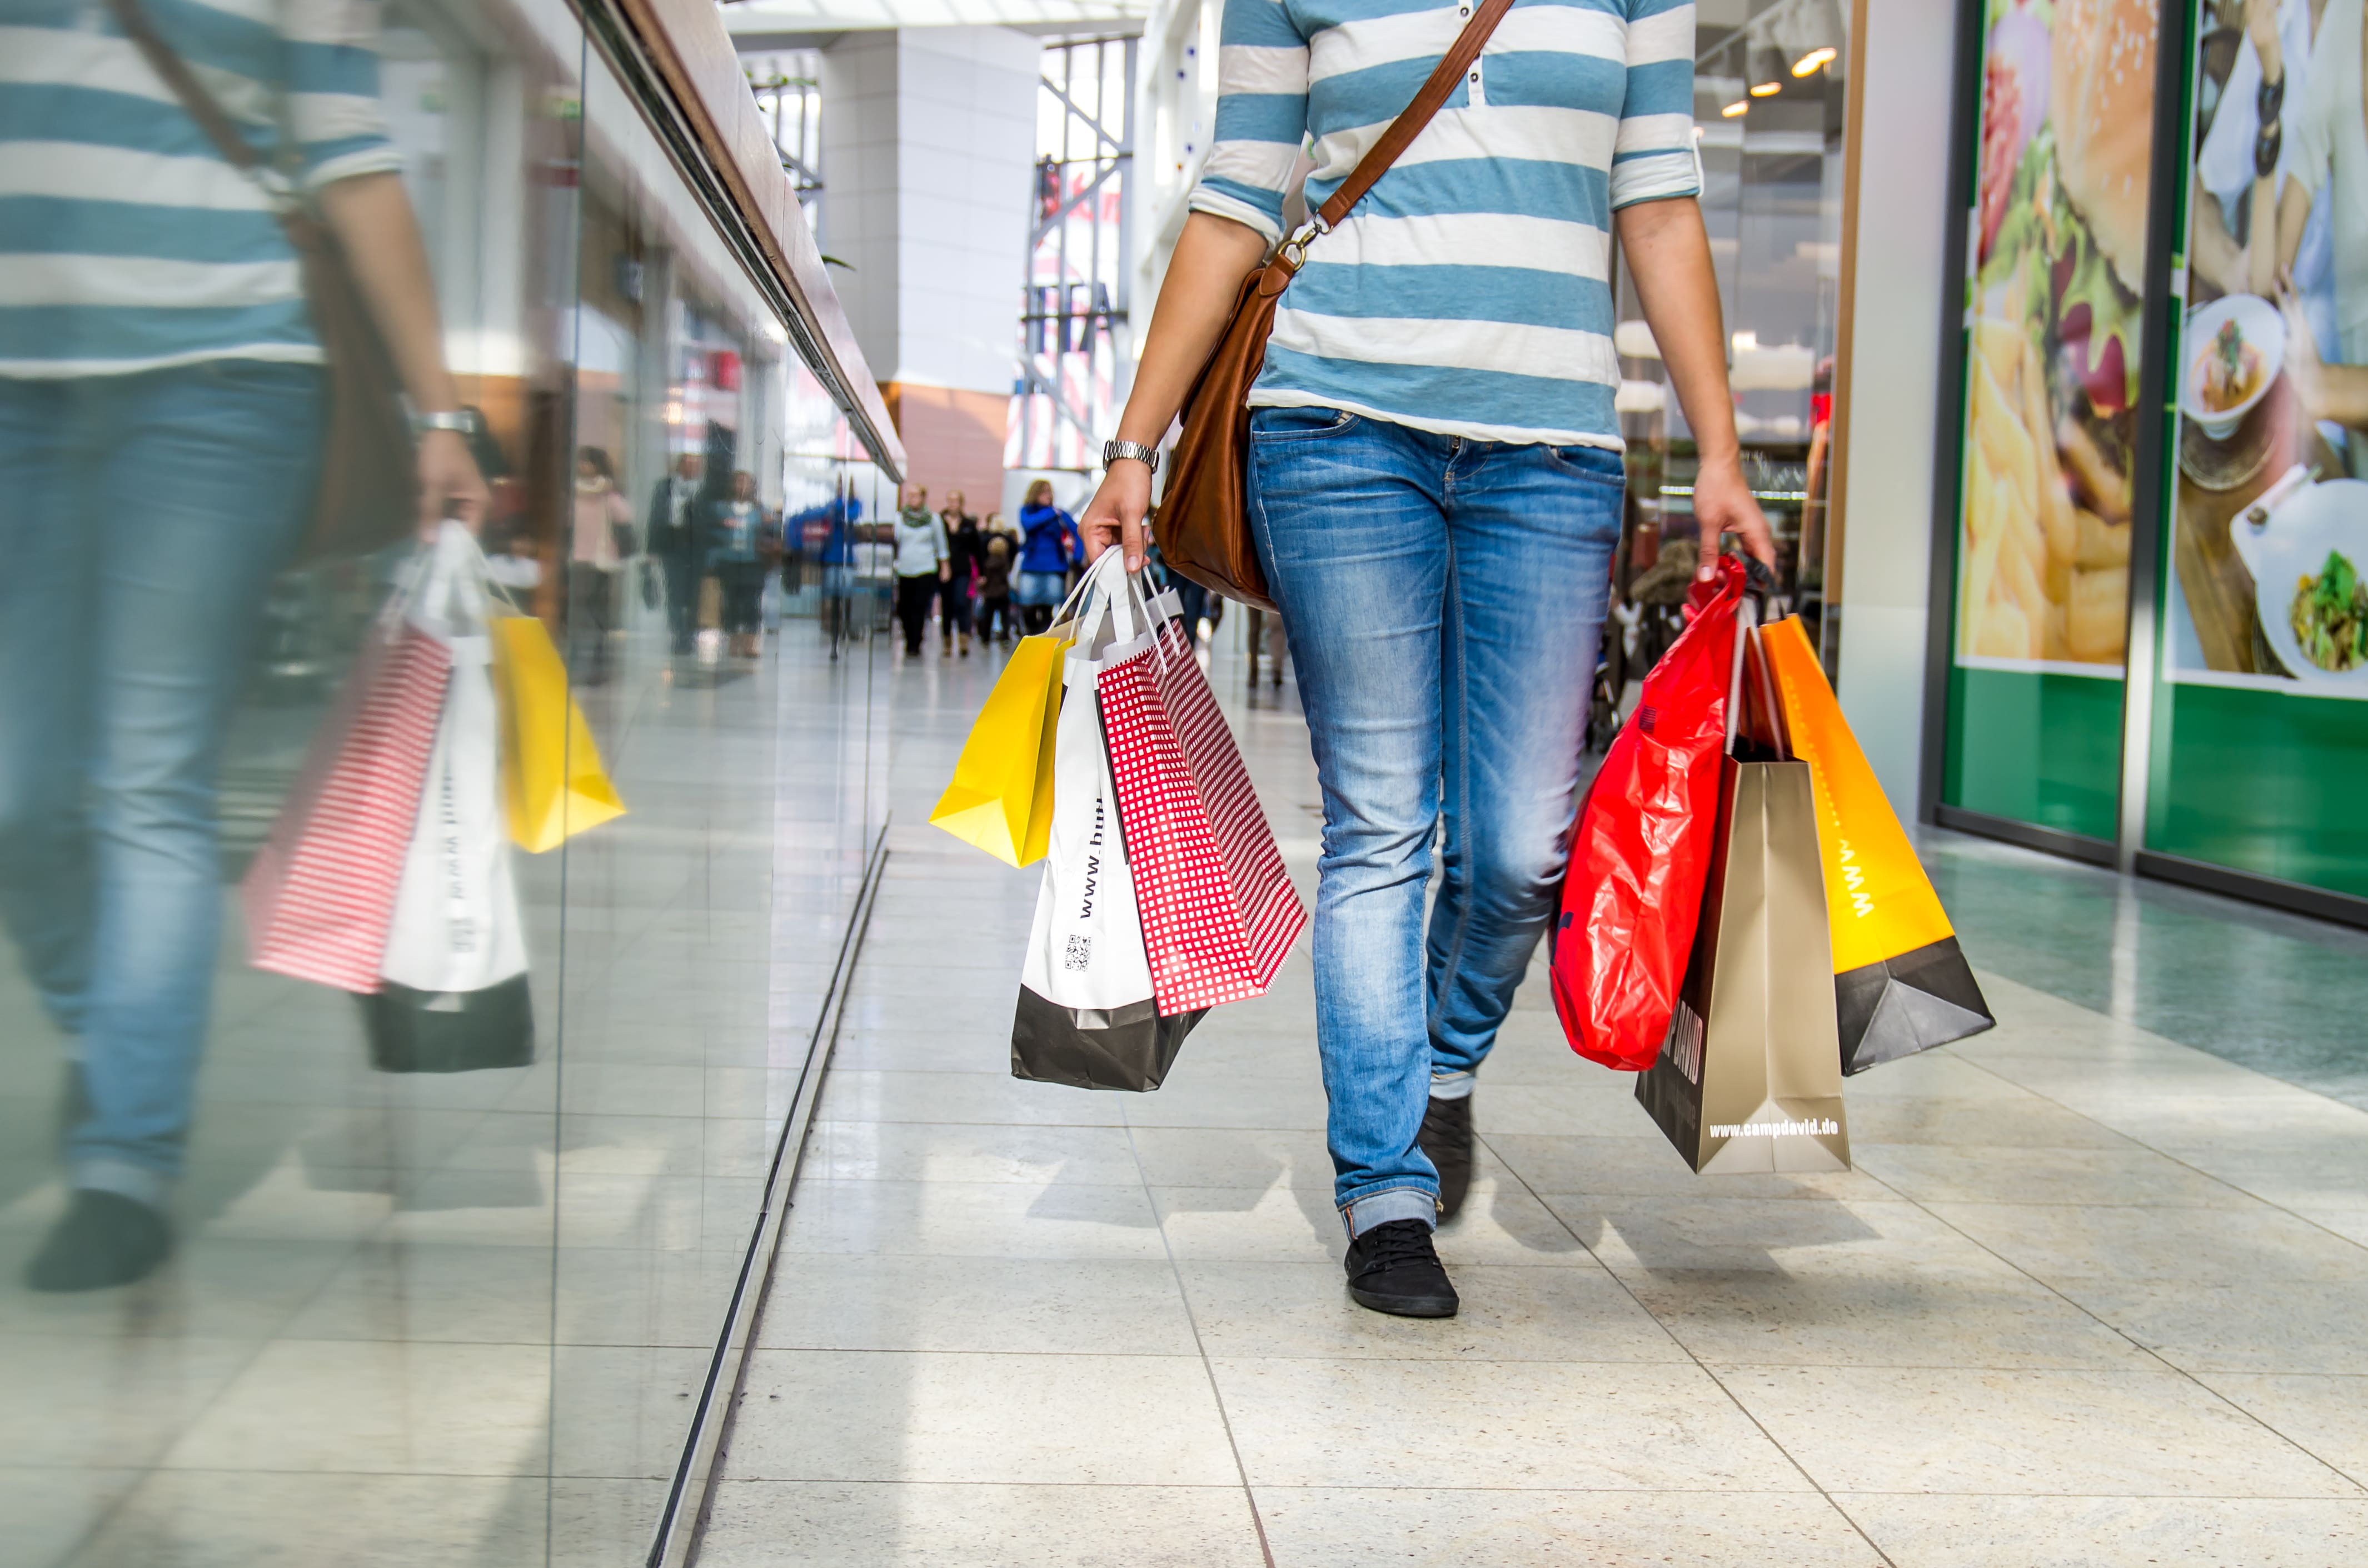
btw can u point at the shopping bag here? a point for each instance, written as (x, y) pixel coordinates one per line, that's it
(1087, 1015)
(1901, 984)
(320, 894)
(1219, 912)
(1747, 1078)
(551, 778)
(1001, 797)
(452, 994)
(1644, 845)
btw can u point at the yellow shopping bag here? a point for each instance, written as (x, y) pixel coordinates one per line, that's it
(552, 782)
(1001, 797)
(1900, 982)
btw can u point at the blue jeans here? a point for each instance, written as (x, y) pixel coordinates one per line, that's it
(140, 518)
(1444, 599)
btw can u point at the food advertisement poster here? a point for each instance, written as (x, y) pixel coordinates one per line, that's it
(2269, 524)
(2052, 372)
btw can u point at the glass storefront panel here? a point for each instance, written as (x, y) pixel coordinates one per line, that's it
(2050, 408)
(2260, 728)
(1770, 87)
(290, 1267)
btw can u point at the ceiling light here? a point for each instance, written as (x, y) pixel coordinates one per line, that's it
(1767, 89)
(1767, 67)
(1821, 55)
(1739, 107)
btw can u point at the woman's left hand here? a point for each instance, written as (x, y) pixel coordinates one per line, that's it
(449, 484)
(1722, 504)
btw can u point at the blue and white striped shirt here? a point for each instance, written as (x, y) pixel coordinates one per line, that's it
(1469, 294)
(127, 241)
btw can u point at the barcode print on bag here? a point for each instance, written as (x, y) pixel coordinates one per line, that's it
(322, 890)
(1080, 953)
(1219, 912)
(1684, 1046)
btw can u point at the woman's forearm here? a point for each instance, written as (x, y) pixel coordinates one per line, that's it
(1668, 253)
(1212, 255)
(371, 216)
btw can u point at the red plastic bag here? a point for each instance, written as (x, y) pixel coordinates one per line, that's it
(1643, 849)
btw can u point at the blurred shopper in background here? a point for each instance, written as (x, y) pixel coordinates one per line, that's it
(599, 542)
(159, 453)
(738, 547)
(922, 563)
(674, 540)
(1049, 547)
(1435, 493)
(963, 544)
(996, 558)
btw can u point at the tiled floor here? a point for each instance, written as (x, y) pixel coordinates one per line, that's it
(458, 1320)
(2092, 1296)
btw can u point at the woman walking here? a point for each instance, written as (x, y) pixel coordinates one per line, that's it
(1050, 541)
(922, 563)
(598, 541)
(964, 544)
(735, 550)
(1435, 493)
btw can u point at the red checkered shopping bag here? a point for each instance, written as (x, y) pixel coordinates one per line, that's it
(321, 893)
(1219, 912)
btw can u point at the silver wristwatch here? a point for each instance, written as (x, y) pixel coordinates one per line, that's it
(1147, 456)
(464, 421)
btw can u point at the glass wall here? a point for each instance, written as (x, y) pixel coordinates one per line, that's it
(382, 1115)
(2053, 432)
(1770, 86)
(2260, 727)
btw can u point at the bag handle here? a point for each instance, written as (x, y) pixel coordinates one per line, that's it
(1401, 132)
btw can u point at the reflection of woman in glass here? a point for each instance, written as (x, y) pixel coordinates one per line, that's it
(598, 544)
(159, 422)
(735, 542)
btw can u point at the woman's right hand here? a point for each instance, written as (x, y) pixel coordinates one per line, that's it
(1115, 514)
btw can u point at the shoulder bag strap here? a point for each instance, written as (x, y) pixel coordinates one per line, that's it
(211, 117)
(1409, 122)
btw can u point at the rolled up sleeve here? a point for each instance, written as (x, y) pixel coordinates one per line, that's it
(1654, 156)
(1261, 116)
(333, 90)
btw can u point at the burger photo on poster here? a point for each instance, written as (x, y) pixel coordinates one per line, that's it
(2066, 148)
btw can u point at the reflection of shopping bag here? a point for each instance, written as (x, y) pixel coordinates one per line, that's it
(1087, 1017)
(1001, 798)
(1901, 984)
(1644, 845)
(453, 993)
(711, 603)
(1219, 912)
(320, 893)
(551, 777)
(1747, 1079)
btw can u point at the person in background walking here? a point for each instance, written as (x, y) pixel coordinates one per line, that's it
(1435, 483)
(673, 538)
(737, 547)
(963, 544)
(995, 564)
(1051, 546)
(598, 545)
(922, 563)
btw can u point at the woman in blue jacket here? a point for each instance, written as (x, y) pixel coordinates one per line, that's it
(1051, 545)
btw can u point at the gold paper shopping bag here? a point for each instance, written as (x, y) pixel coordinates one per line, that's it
(552, 782)
(1001, 795)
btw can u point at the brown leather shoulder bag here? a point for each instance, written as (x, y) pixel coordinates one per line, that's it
(369, 492)
(1204, 523)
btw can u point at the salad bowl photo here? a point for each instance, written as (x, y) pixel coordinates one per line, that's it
(2233, 348)
(2309, 562)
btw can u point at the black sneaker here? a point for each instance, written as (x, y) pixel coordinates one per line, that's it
(1393, 1269)
(105, 1239)
(1446, 1136)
